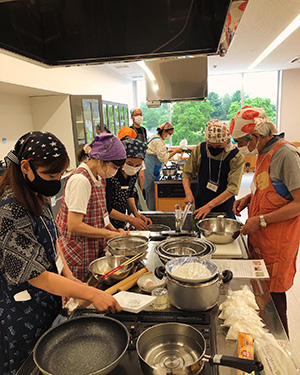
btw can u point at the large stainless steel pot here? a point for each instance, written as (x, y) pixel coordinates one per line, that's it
(179, 349)
(196, 297)
(193, 292)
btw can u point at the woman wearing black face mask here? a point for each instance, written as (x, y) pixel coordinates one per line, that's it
(33, 272)
(219, 166)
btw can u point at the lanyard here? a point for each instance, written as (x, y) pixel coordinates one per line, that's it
(219, 173)
(50, 236)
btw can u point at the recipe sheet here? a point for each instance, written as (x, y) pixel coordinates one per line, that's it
(253, 269)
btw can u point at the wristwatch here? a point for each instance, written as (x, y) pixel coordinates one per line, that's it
(262, 221)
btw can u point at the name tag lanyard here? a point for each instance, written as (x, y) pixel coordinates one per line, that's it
(213, 185)
(58, 259)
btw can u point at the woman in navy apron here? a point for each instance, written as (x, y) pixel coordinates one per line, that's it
(157, 155)
(219, 168)
(33, 273)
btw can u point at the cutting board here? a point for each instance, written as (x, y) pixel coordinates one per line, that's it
(230, 250)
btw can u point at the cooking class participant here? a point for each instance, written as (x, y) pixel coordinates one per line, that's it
(120, 188)
(105, 129)
(83, 219)
(156, 156)
(273, 226)
(123, 133)
(33, 272)
(219, 166)
(137, 119)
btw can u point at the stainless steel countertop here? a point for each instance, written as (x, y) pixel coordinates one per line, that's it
(263, 298)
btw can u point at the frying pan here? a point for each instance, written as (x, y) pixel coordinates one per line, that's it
(82, 346)
(179, 349)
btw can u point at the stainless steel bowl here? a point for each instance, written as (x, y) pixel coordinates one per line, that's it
(184, 246)
(104, 264)
(219, 229)
(128, 245)
(158, 228)
(169, 171)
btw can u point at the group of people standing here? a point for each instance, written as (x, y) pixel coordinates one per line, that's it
(43, 259)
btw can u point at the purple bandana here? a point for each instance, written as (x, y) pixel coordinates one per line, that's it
(107, 147)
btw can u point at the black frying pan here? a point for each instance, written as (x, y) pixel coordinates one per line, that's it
(82, 346)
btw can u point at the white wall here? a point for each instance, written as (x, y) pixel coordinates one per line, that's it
(15, 120)
(290, 104)
(53, 113)
(78, 80)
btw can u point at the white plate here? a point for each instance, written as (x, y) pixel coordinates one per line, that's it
(133, 302)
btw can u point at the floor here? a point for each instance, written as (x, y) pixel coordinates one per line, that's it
(293, 295)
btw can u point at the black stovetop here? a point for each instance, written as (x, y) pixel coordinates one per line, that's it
(136, 324)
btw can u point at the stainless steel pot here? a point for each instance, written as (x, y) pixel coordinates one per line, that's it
(196, 297)
(196, 293)
(169, 171)
(179, 349)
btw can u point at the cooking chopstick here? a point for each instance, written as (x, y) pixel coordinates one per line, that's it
(110, 272)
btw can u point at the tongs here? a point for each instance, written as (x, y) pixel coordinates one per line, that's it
(114, 270)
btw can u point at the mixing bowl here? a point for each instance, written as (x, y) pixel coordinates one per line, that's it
(102, 265)
(219, 229)
(127, 245)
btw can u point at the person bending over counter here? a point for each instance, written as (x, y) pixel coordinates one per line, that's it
(83, 217)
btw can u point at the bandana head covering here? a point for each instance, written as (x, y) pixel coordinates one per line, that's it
(135, 148)
(107, 147)
(35, 146)
(217, 131)
(165, 126)
(125, 132)
(248, 119)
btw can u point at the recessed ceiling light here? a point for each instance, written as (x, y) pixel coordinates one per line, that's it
(281, 37)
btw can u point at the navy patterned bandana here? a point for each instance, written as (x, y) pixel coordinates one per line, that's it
(134, 148)
(34, 146)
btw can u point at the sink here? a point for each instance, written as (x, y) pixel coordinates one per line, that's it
(168, 218)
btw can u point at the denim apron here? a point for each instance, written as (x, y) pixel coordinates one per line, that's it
(22, 323)
(153, 166)
(219, 173)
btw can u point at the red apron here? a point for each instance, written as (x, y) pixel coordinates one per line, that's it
(80, 251)
(278, 243)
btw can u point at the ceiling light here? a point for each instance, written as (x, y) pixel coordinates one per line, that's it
(281, 37)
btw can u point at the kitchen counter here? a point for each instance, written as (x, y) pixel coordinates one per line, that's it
(222, 346)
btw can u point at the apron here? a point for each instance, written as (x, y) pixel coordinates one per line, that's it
(22, 323)
(219, 173)
(80, 251)
(153, 166)
(278, 243)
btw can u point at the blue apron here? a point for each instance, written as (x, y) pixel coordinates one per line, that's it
(153, 166)
(203, 195)
(22, 323)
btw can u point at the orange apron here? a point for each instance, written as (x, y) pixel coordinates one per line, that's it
(278, 243)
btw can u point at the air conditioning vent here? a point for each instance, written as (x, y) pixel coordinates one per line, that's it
(122, 66)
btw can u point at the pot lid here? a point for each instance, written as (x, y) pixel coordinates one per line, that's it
(192, 269)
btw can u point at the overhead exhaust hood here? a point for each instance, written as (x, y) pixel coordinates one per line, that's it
(68, 32)
(175, 79)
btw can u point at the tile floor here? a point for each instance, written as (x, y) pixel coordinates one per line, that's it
(293, 295)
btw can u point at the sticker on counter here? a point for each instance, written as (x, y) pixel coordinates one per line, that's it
(250, 268)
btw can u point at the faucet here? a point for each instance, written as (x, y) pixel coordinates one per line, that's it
(179, 217)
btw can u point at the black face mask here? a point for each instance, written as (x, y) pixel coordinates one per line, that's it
(215, 151)
(44, 187)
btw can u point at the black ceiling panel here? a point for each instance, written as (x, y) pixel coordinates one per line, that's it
(65, 32)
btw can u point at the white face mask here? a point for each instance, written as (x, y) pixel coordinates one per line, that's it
(110, 172)
(245, 150)
(138, 119)
(130, 170)
(168, 137)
